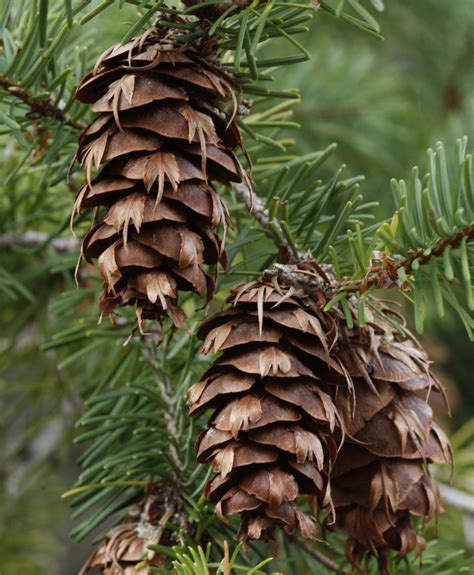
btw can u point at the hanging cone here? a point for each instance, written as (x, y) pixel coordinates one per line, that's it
(269, 439)
(380, 480)
(163, 133)
(124, 550)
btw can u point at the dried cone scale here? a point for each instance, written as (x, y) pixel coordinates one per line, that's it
(163, 133)
(269, 438)
(380, 481)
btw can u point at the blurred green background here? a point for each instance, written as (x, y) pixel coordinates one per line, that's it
(382, 102)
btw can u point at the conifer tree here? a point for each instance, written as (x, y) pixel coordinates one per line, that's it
(252, 399)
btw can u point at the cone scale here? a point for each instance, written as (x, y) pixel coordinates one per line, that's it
(164, 133)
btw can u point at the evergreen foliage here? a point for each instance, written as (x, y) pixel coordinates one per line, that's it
(132, 435)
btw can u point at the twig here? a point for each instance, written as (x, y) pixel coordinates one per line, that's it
(167, 394)
(458, 499)
(244, 193)
(320, 557)
(385, 275)
(38, 239)
(43, 108)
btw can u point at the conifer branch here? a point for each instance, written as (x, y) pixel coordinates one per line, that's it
(40, 108)
(134, 419)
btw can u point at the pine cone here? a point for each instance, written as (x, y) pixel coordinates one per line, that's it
(124, 550)
(162, 131)
(269, 437)
(380, 479)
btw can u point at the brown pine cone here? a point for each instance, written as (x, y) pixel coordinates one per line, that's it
(380, 480)
(163, 133)
(124, 550)
(269, 440)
